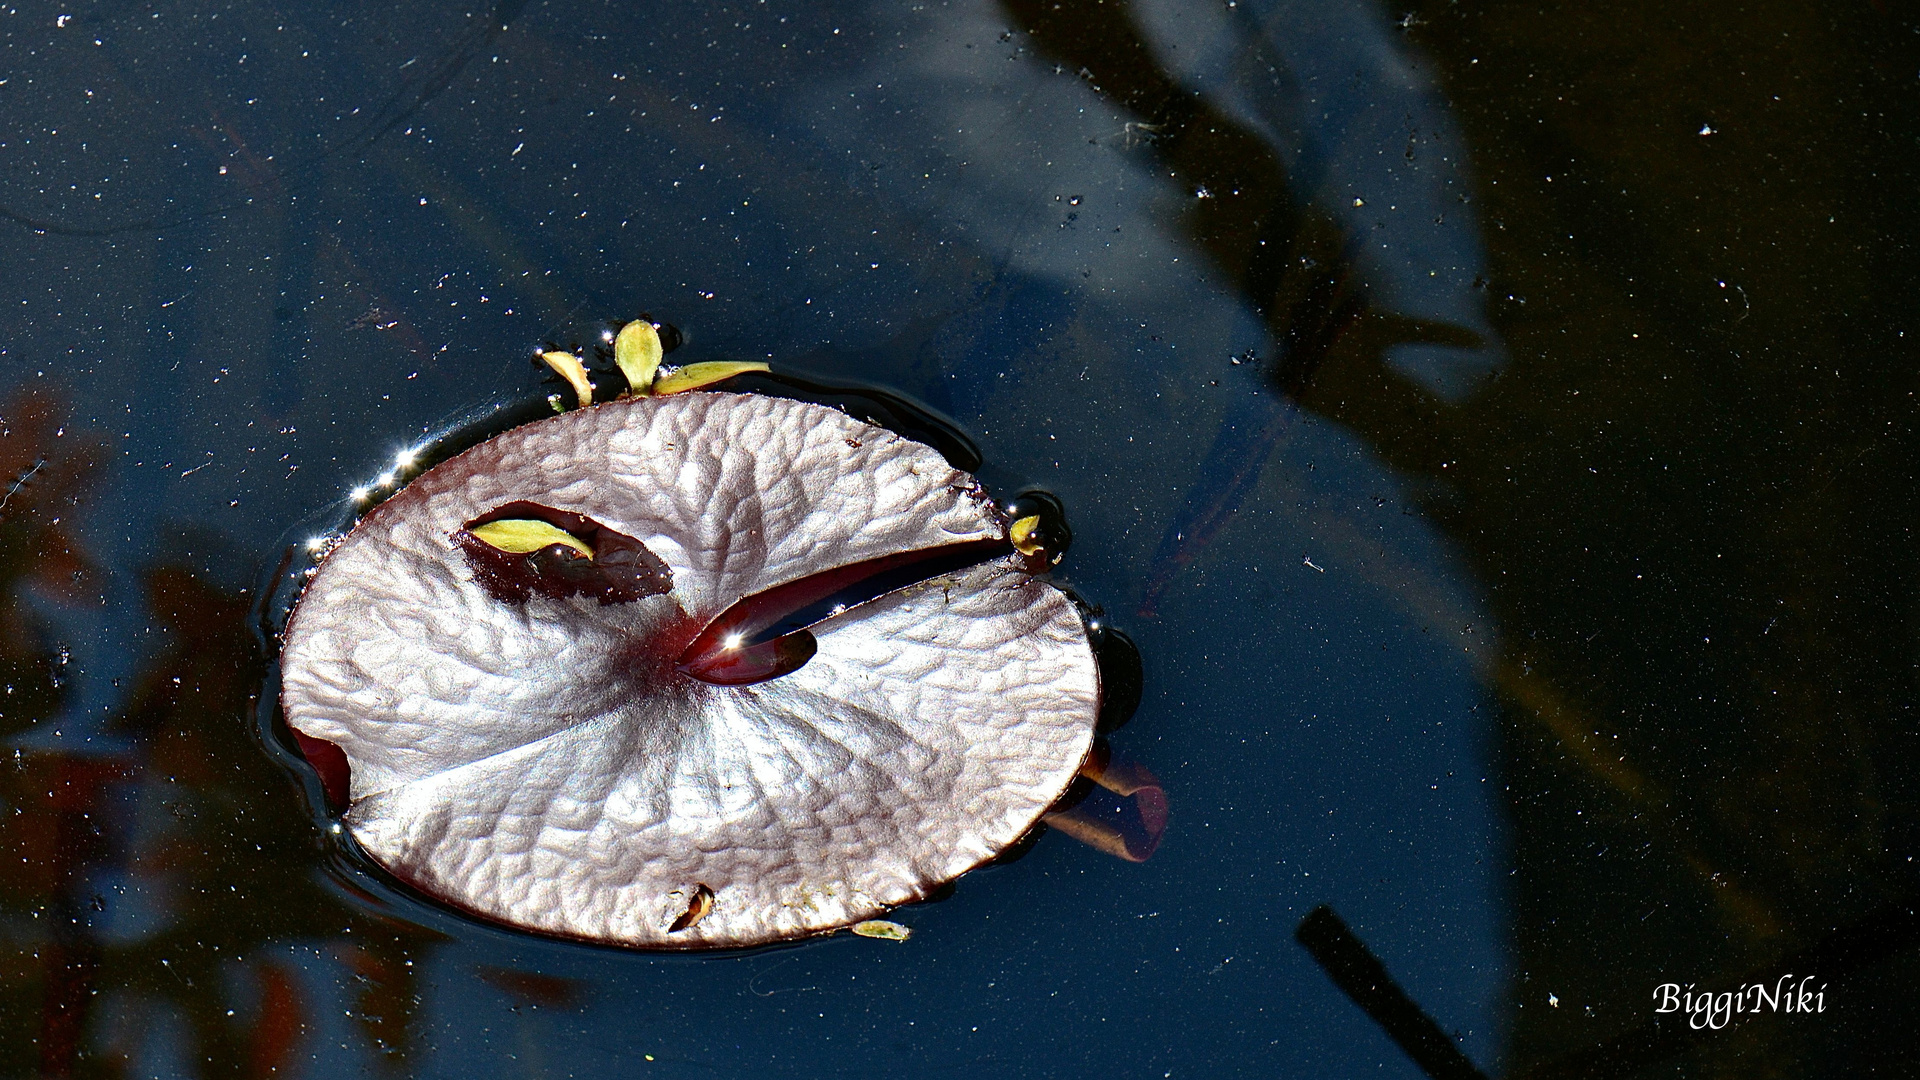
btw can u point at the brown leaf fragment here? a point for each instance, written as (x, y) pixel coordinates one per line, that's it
(698, 908)
(523, 549)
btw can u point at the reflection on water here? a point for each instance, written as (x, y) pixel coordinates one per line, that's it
(1682, 496)
(170, 883)
(1671, 497)
(1499, 420)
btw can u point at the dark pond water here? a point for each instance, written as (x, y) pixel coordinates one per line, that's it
(1494, 423)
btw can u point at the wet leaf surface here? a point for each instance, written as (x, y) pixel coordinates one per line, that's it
(633, 768)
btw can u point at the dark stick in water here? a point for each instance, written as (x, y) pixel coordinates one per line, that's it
(1362, 977)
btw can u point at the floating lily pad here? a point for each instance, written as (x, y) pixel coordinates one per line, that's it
(556, 744)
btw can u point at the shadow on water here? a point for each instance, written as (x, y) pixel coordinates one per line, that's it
(1688, 498)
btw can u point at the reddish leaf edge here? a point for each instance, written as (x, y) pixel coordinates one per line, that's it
(330, 762)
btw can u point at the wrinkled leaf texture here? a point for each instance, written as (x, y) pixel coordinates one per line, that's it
(542, 763)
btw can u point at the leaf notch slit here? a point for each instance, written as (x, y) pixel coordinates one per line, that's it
(764, 636)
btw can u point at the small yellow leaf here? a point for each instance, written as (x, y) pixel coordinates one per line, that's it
(1022, 535)
(882, 929)
(569, 367)
(517, 536)
(695, 376)
(637, 352)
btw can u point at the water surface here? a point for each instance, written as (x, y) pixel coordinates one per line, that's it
(1495, 426)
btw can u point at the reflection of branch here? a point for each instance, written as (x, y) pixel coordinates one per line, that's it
(1270, 250)
(1233, 465)
(1576, 733)
(281, 1021)
(1288, 261)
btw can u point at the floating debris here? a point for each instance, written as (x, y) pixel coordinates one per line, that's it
(883, 929)
(569, 367)
(1021, 535)
(697, 908)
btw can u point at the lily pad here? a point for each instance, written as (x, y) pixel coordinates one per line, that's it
(556, 744)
